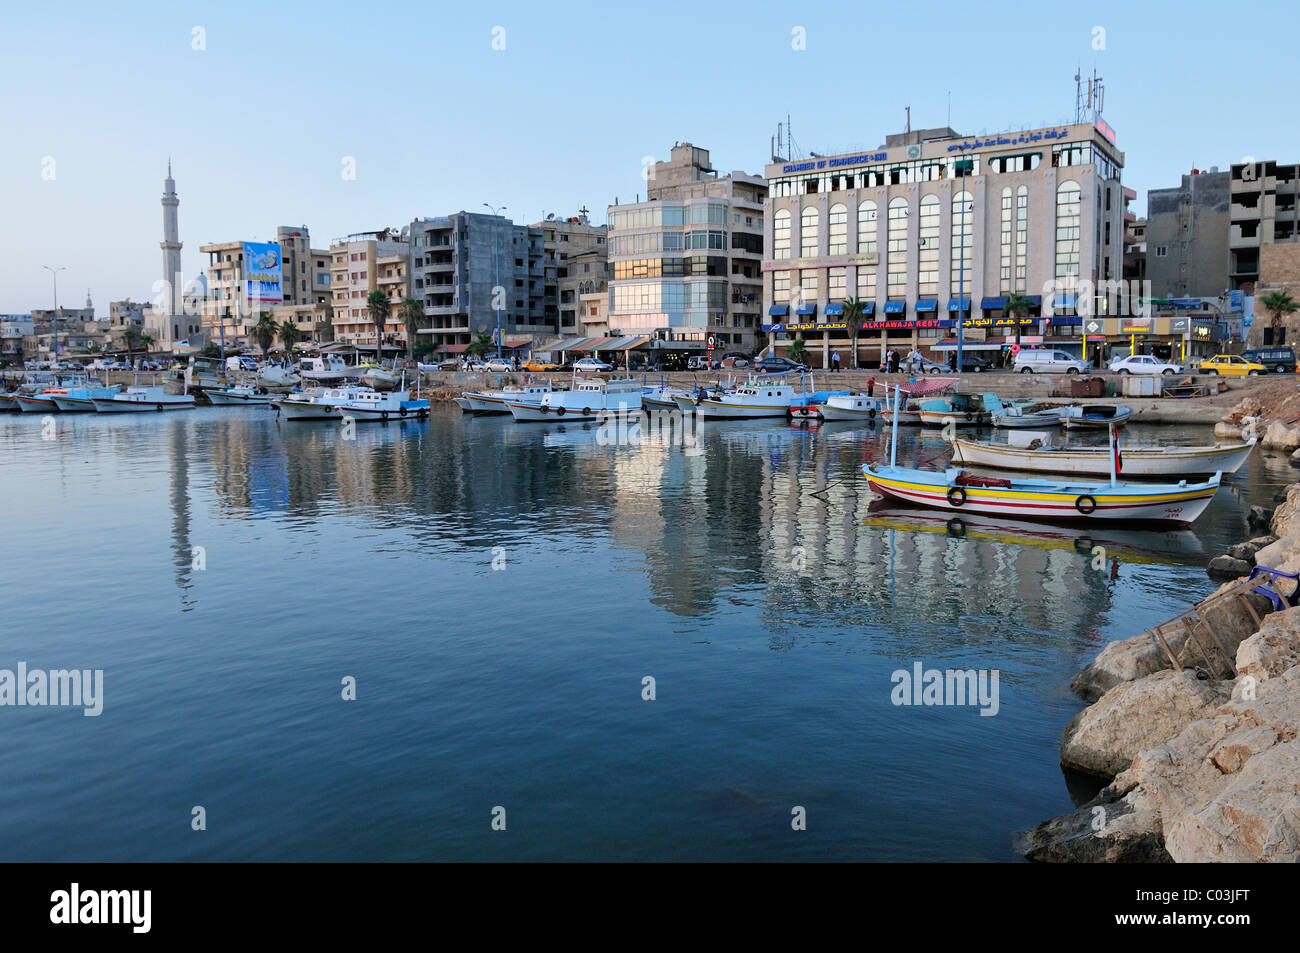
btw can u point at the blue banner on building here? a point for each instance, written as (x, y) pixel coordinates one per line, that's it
(262, 271)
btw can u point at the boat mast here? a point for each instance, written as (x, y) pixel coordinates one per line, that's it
(893, 443)
(1114, 440)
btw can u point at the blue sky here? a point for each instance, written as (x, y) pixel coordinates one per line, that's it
(259, 122)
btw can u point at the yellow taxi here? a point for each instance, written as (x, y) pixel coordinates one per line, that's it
(1231, 364)
(534, 364)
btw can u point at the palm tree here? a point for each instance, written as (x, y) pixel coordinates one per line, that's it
(1278, 304)
(131, 338)
(380, 306)
(264, 331)
(411, 312)
(797, 351)
(1017, 307)
(853, 312)
(289, 335)
(481, 345)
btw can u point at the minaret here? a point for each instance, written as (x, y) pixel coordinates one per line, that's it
(171, 249)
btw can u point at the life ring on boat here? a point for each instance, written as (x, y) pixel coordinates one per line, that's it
(970, 416)
(544, 408)
(956, 495)
(871, 414)
(402, 411)
(803, 411)
(957, 527)
(158, 407)
(1087, 508)
(586, 411)
(559, 411)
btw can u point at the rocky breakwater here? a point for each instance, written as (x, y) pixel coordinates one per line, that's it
(1203, 761)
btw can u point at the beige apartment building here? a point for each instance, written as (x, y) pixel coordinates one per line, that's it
(686, 264)
(362, 263)
(574, 261)
(934, 227)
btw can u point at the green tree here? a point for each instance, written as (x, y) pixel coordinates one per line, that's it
(481, 345)
(289, 334)
(264, 331)
(412, 313)
(1018, 307)
(1278, 304)
(380, 307)
(854, 311)
(797, 351)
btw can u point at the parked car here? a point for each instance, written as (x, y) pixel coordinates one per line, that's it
(735, 360)
(1143, 364)
(499, 365)
(1278, 360)
(697, 363)
(970, 364)
(1232, 364)
(776, 365)
(592, 364)
(536, 364)
(475, 364)
(1045, 360)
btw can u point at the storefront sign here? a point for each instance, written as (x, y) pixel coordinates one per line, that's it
(895, 325)
(999, 322)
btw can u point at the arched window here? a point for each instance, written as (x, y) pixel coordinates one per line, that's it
(781, 234)
(867, 228)
(927, 273)
(963, 240)
(1068, 199)
(838, 233)
(808, 233)
(896, 273)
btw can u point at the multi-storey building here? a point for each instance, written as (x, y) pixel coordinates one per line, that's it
(14, 330)
(228, 314)
(934, 227)
(360, 264)
(686, 264)
(574, 263)
(1187, 237)
(456, 263)
(1264, 210)
(1135, 248)
(124, 316)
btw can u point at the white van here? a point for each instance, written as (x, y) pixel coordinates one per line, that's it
(1046, 360)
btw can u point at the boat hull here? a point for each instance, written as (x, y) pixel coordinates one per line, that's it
(539, 413)
(1045, 500)
(710, 409)
(385, 413)
(36, 405)
(75, 405)
(234, 399)
(1081, 421)
(936, 418)
(305, 410)
(1028, 421)
(109, 406)
(1173, 462)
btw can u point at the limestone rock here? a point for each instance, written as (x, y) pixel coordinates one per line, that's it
(1104, 738)
(1105, 830)
(1273, 649)
(1261, 516)
(1280, 437)
(1285, 519)
(1277, 552)
(1226, 567)
(1225, 429)
(1247, 551)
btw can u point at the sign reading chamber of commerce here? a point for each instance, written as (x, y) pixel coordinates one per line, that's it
(262, 271)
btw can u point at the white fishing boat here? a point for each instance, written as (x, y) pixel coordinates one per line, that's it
(1029, 416)
(663, 397)
(239, 394)
(749, 401)
(956, 490)
(587, 399)
(1095, 461)
(277, 379)
(1094, 416)
(8, 402)
(381, 378)
(374, 405)
(465, 404)
(498, 401)
(321, 404)
(849, 406)
(962, 410)
(41, 402)
(138, 399)
(330, 369)
(82, 399)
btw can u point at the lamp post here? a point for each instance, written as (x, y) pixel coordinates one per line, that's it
(54, 272)
(496, 256)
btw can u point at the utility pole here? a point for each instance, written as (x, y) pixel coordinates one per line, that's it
(497, 292)
(55, 273)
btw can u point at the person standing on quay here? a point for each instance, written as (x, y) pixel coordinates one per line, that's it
(835, 362)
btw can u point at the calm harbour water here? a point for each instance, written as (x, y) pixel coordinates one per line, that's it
(750, 580)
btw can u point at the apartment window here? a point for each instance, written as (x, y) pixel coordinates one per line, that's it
(1006, 266)
(808, 284)
(1022, 237)
(963, 241)
(838, 234)
(808, 223)
(928, 252)
(867, 282)
(867, 228)
(781, 286)
(1068, 201)
(896, 274)
(781, 234)
(836, 281)
(1162, 251)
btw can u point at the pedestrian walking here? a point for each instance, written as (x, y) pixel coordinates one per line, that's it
(871, 387)
(835, 363)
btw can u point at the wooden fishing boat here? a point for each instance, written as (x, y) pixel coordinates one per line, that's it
(963, 410)
(1029, 416)
(1095, 461)
(1094, 416)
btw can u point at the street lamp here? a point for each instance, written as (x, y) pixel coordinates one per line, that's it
(54, 272)
(497, 291)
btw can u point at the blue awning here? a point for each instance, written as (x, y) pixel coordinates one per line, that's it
(836, 308)
(1034, 300)
(868, 307)
(779, 310)
(959, 304)
(927, 304)
(1185, 303)
(1065, 301)
(806, 309)
(895, 307)
(993, 304)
